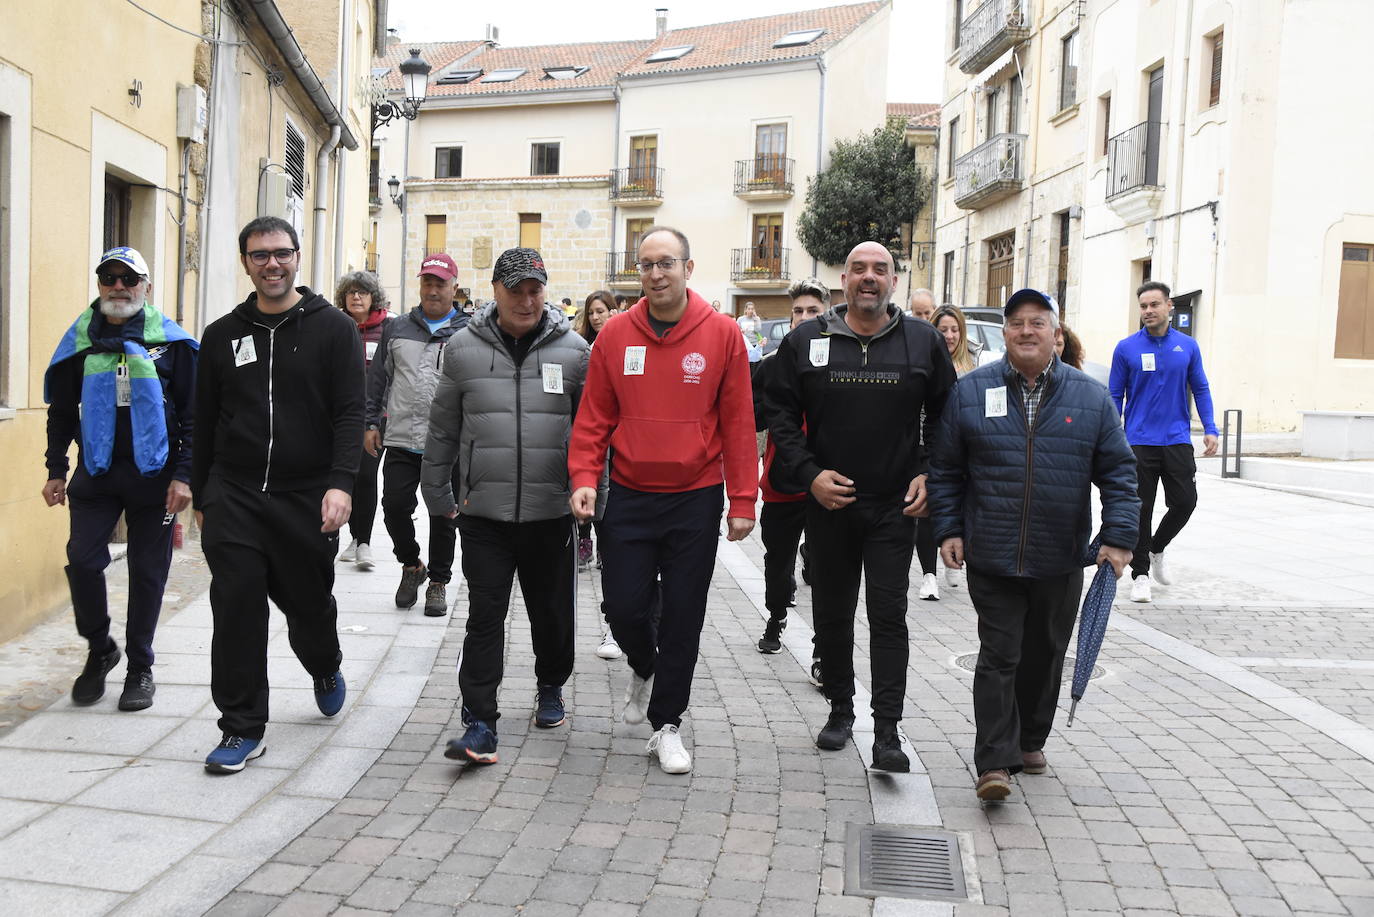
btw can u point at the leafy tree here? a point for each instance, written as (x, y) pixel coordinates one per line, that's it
(870, 190)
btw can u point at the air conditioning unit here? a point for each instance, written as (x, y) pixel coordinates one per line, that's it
(272, 192)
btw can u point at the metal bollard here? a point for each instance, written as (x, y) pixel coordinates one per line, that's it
(1226, 454)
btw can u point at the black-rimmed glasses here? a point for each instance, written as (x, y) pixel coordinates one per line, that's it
(282, 255)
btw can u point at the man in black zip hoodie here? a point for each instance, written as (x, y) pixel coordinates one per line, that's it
(844, 406)
(280, 389)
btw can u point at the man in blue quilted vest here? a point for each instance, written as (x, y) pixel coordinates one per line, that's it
(1023, 441)
(121, 383)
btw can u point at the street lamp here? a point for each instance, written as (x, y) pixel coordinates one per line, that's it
(415, 85)
(393, 187)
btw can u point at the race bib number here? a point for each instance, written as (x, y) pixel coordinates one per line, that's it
(1147, 362)
(634, 361)
(370, 348)
(553, 378)
(996, 402)
(820, 352)
(244, 351)
(123, 394)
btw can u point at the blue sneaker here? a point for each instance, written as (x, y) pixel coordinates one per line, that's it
(477, 745)
(330, 692)
(232, 753)
(548, 707)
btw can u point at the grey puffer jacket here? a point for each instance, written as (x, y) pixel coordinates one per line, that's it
(404, 375)
(505, 426)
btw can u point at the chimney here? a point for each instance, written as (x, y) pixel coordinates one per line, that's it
(493, 33)
(660, 21)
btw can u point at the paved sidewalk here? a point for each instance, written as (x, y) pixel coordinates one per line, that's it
(1222, 765)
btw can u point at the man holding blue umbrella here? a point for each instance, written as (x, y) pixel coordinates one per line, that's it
(1022, 442)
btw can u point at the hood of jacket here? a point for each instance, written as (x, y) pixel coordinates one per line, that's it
(697, 311)
(832, 321)
(310, 301)
(483, 324)
(417, 315)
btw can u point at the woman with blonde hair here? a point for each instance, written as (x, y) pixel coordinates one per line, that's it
(949, 321)
(592, 317)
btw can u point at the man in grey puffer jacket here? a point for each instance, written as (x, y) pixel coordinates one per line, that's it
(499, 429)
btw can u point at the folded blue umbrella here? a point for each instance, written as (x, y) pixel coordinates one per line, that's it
(1092, 623)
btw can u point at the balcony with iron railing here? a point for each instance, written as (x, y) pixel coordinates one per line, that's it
(622, 270)
(989, 30)
(763, 178)
(1134, 188)
(989, 172)
(637, 186)
(759, 266)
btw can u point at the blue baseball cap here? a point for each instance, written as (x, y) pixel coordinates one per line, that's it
(125, 255)
(1030, 295)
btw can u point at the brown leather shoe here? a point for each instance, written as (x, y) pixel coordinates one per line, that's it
(993, 786)
(1033, 762)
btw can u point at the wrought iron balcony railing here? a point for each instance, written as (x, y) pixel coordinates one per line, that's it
(990, 171)
(621, 268)
(765, 263)
(992, 28)
(637, 183)
(766, 173)
(1133, 158)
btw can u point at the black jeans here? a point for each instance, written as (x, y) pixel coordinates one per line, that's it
(543, 555)
(925, 545)
(648, 537)
(1023, 630)
(1175, 466)
(96, 503)
(780, 525)
(260, 546)
(872, 538)
(364, 499)
(400, 483)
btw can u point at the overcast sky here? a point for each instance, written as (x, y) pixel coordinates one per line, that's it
(914, 67)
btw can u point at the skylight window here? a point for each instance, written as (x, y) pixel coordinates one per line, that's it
(504, 76)
(457, 77)
(564, 73)
(667, 54)
(798, 38)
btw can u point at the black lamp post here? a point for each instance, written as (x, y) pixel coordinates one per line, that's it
(393, 187)
(414, 83)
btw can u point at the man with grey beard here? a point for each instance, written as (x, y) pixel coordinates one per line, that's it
(121, 383)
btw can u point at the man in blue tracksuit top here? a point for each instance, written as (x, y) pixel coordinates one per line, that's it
(1153, 371)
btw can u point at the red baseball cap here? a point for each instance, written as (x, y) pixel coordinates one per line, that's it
(440, 265)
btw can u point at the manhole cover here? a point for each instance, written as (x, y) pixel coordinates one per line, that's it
(902, 862)
(968, 661)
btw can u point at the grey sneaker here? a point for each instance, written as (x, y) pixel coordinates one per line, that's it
(409, 590)
(436, 601)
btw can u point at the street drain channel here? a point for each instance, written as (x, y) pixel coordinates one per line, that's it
(897, 861)
(969, 661)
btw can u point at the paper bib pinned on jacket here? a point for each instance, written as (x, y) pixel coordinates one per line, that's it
(820, 352)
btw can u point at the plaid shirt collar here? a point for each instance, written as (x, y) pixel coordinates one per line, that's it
(1030, 397)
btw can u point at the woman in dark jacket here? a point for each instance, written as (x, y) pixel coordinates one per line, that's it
(360, 295)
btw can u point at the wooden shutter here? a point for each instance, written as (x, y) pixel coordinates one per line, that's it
(1355, 305)
(1214, 95)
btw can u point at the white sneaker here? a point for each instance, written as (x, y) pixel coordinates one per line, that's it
(1159, 569)
(930, 588)
(364, 556)
(1140, 589)
(673, 758)
(637, 695)
(608, 649)
(348, 554)
(951, 577)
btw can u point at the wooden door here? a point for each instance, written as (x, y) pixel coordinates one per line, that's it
(770, 151)
(768, 243)
(1001, 261)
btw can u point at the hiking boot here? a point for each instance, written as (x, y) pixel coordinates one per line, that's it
(887, 749)
(673, 757)
(1033, 762)
(584, 552)
(232, 753)
(363, 556)
(838, 729)
(330, 692)
(771, 641)
(409, 591)
(993, 786)
(548, 706)
(436, 601)
(477, 745)
(89, 686)
(138, 690)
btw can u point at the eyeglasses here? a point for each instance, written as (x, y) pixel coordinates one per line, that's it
(108, 279)
(282, 256)
(667, 264)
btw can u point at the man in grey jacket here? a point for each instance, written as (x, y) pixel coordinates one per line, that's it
(400, 386)
(498, 433)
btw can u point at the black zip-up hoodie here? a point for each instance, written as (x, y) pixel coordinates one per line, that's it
(835, 401)
(280, 406)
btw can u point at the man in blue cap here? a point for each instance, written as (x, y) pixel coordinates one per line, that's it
(1021, 445)
(121, 383)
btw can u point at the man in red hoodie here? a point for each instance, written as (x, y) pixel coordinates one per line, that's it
(668, 391)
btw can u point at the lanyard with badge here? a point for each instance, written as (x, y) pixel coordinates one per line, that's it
(123, 392)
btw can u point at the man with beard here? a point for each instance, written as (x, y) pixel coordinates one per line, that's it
(844, 404)
(121, 383)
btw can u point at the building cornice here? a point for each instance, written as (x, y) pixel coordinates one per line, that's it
(522, 182)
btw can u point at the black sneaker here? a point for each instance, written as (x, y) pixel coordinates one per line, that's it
(771, 641)
(548, 706)
(887, 749)
(436, 601)
(838, 730)
(138, 690)
(816, 672)
(409, 590)
(89, 686)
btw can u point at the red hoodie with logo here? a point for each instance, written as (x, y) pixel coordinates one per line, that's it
(677, 411)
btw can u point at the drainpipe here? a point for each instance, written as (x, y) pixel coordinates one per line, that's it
(181, 232)
(405, 200)
(317, 232)
(820, 137)
(1031, 161)
(340, 186)
(963, 280)
(615, 164)
(1182, 108)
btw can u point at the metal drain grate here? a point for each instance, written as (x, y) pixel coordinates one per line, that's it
(902, 862)
(968, 661)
